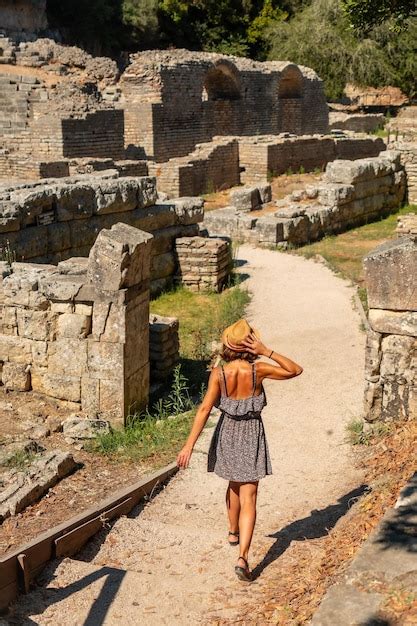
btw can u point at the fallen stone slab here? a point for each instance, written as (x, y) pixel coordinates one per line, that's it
(78, 429)
(8, 450)
(20, 489)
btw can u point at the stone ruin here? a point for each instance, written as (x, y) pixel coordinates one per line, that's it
(191, 119)
(391, 349)
(403, 137)
(351, 193)
(80, 330)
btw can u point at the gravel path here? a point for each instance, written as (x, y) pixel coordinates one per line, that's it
(170, 563)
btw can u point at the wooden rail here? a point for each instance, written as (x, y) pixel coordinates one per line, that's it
(19, 568)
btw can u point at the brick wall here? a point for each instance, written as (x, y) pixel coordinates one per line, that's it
(188, 98)
(261, 157)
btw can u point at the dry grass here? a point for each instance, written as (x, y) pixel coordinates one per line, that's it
(345, 252)
(281, 187)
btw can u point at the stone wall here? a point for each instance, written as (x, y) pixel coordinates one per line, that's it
(79, 331)
(391, 351)
(53, 220)
(203, 263)
(262, 157)
(27, 15)
(408, 151)
(407, 224)
(227, 161)
(352, 192)
(210, 167)
(357, 122)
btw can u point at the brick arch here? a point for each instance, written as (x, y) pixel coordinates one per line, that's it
(290, 98)
(222, 83)
(290, 85)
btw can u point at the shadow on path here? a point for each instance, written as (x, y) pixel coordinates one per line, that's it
(399, 529)
(316, 525)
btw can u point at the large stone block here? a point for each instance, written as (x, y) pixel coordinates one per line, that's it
(119, 258)
(67, 356)
(16, 376)
(73, 325)
(390, 273)
(105, 360)
(58, 386)
(114, 196)
(245, 199)
(393, 322)
(16, 349)
(38, 325)
(74, 202)
(399, 358)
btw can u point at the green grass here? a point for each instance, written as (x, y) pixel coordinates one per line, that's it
(20, 460)
(361, 433)
(345, 252)
(156, 441)
(380, 132)
(202, 317)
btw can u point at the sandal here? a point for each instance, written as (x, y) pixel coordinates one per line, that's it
(243, 573)
(234, 543)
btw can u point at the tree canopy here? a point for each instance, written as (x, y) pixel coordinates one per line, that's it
(365, 14)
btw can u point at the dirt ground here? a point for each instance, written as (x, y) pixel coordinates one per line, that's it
(169, 562)
(281, 186)
(95, 479)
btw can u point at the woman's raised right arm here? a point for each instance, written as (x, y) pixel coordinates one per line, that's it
(286, 367)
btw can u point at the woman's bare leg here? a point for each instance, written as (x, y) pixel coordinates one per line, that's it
(233, 508)
(247, 518)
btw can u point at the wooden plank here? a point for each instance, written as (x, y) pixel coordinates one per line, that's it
(8, 594)
(71, 542)
(24, 567)
(41, 549)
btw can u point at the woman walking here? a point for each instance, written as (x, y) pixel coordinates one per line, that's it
(239, 450)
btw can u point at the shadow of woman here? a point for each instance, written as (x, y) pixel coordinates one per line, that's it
(316, 525)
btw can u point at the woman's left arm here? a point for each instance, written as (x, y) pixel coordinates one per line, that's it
(201, 417)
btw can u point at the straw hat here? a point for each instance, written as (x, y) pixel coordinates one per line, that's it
(233, 335)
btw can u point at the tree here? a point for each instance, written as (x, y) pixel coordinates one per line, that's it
(363, 15)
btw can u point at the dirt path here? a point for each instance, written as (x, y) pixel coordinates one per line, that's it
(170, 564)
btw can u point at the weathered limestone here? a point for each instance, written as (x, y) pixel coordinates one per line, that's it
(58, 219)
(78, 430)
(391, 349)
(351, 193)
(163, 346)
(203, 263)
(407, 224)
(20, 489)
(250, 198)
(358, 122)
(80, 331)
(390, 272)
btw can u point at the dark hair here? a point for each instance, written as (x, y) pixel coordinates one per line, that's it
(228, 355)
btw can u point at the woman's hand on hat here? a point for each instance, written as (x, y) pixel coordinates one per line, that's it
(183, 458)
(254, 345)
